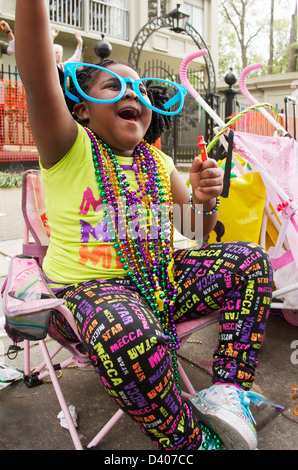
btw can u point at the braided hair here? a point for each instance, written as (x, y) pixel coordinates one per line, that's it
(156, 94)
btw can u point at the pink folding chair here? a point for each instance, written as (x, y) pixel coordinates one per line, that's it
(35, 243)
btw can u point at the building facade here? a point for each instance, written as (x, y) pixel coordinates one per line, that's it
(121, 20)
(156, 48)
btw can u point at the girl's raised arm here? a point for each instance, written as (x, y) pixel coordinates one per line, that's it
(53, 128)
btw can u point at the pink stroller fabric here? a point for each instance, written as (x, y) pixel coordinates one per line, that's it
(278, 157)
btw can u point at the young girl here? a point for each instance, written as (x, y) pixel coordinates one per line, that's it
(112, 259)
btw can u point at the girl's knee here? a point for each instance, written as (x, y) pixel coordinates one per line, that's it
(249, 256)
(258, 258)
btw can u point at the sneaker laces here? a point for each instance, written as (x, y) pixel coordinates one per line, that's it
(245, 397)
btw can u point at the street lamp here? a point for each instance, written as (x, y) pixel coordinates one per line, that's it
(178, 19)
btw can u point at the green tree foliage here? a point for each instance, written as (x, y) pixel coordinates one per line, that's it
(244, 35)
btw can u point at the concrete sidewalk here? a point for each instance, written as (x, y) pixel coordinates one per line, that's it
(28, 417)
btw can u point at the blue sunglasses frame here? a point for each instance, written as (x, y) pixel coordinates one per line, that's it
(70, 71)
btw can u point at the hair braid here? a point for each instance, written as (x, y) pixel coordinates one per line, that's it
(159, 122)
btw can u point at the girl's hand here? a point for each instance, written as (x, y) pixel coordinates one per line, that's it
(206, 180)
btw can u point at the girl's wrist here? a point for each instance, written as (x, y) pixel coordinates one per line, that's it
(207, 208)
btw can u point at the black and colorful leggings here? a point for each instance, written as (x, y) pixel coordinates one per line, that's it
(127, 347)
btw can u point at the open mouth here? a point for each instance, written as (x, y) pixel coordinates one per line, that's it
(129, 114)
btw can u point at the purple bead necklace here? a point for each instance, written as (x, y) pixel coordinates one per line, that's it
(140, 227)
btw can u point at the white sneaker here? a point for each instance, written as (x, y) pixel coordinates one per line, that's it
(224, 408)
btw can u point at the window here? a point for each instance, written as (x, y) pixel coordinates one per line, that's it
(157, 8)
(195, 16)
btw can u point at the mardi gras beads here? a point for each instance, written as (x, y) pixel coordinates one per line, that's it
(140, 225)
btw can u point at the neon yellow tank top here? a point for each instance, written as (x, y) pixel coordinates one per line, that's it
(78, 251)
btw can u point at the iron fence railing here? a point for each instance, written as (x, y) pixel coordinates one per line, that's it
(109, 17)
(67, 12)
(16, 142)
(180, 142)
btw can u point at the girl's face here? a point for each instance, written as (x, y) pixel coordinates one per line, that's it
(121, 124)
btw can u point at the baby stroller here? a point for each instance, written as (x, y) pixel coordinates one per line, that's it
(275, 158)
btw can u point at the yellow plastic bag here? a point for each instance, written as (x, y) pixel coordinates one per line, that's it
(240, 214)
(271, 231)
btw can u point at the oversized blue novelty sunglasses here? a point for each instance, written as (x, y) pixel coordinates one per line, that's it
(113, 88)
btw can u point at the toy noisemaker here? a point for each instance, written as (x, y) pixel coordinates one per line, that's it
(202, 146)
